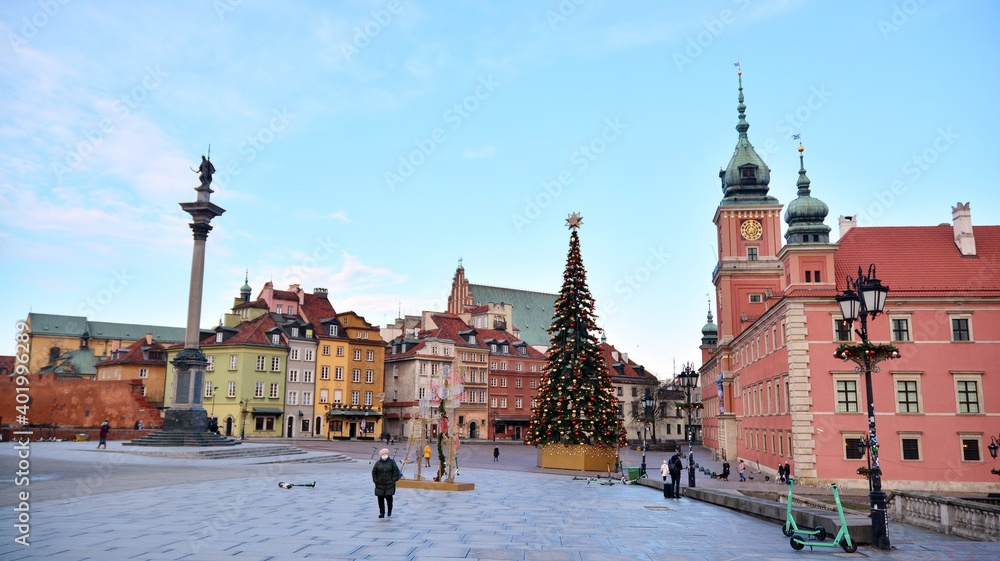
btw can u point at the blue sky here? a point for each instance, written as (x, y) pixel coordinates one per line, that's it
(366, 147)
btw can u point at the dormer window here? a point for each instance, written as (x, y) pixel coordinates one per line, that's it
(748, 173)
(333, 331)
(506, 349)
(275, 339)
(218, 337)
(295, 332)
(472, 339)
(493, 347)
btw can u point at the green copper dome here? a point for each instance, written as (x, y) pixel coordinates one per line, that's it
(745, 179)
(709, 333)
(805, 214)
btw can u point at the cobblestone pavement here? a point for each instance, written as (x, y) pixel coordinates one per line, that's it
(112, 504)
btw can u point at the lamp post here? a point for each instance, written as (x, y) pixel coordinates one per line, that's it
(647, 403)
(689, 379)
(994, 446)
(864, 297)
(243, 419)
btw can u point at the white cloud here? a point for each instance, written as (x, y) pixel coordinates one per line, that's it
(478, 153)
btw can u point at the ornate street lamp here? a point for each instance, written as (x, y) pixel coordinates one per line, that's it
(689, 380)
(865, 296)
(994, 446)
(647, 404)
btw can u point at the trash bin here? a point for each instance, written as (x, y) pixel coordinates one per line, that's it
(633, 473)
(80, 437)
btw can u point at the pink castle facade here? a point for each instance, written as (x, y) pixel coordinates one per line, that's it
(772, 390)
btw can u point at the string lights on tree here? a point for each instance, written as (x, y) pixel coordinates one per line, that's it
(576, 402)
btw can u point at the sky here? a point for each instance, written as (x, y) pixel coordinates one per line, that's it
(367, 147)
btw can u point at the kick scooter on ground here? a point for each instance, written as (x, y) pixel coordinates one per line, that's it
(842, 539)
(790, 528)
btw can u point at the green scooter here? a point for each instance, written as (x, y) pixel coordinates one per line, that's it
(791, 528)
(842, 539)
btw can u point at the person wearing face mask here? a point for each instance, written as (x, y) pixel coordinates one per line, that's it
(385, 474)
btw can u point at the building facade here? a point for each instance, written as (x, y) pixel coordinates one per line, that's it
(772, 389)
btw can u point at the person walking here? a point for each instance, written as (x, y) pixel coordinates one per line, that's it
(427, 455)
(741, 467)
(664, 471)
(385, 474)
(105, 428)
(675, 465)
(496, 454)
(725, 471)
(788, 473)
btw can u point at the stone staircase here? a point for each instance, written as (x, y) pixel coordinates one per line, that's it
(331, 458)
(251, 451)
(166, 438)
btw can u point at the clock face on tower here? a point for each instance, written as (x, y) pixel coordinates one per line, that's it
(751, 230)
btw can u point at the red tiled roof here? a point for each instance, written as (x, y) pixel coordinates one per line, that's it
(253, 332)
(629, 371)
(316, 308)
(285, 295)
(922, 260)
(134, 354)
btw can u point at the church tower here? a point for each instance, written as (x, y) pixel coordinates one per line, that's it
(748, 222)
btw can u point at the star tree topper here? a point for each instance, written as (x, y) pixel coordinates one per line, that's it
(574, 221)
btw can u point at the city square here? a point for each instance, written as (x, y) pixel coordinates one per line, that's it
(115, 505)
(489, 238)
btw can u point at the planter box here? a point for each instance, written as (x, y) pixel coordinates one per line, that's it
(578, 457)
(434, 485)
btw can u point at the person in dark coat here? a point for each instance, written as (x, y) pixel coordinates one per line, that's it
(105, 428)
(674, 466)
(385, 474)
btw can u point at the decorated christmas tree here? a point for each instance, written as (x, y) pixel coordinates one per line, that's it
(576, 402)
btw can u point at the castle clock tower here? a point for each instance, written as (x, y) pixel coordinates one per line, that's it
(748, 222)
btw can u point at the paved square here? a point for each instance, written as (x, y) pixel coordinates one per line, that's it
(115, 505)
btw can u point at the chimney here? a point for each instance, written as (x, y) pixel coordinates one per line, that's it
(321, 292)
(149, 338)
(846, 223)
(961, 216)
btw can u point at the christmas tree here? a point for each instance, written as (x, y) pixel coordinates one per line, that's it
(576, 402)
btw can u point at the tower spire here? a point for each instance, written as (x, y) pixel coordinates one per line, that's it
(805, 214)
(745, 179)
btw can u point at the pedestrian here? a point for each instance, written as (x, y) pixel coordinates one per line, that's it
(725, 471)
(664, 470)
(496, 454)
(105, 428)
(781, 473)
(427, 455)
(385, 474)
(675, 465)
(741, 467)
(788, 473)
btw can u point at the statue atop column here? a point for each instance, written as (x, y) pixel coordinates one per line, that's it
(205, 171)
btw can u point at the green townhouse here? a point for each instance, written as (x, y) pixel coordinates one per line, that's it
(245, 378)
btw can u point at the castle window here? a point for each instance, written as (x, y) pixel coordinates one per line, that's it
(749, 172)
(755, 299)
(752, 253)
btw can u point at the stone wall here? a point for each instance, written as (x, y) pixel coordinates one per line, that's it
(79, 403)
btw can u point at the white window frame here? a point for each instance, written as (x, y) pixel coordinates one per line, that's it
(275, 390)
(261, 363)
(976, 377)
(908, 377)
(847, 377)
(918, 436)
(231, 390)
(258, 390)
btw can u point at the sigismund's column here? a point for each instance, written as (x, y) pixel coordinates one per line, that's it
(187, 413)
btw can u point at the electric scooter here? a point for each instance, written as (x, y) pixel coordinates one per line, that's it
(842, 539)
(791, 528)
